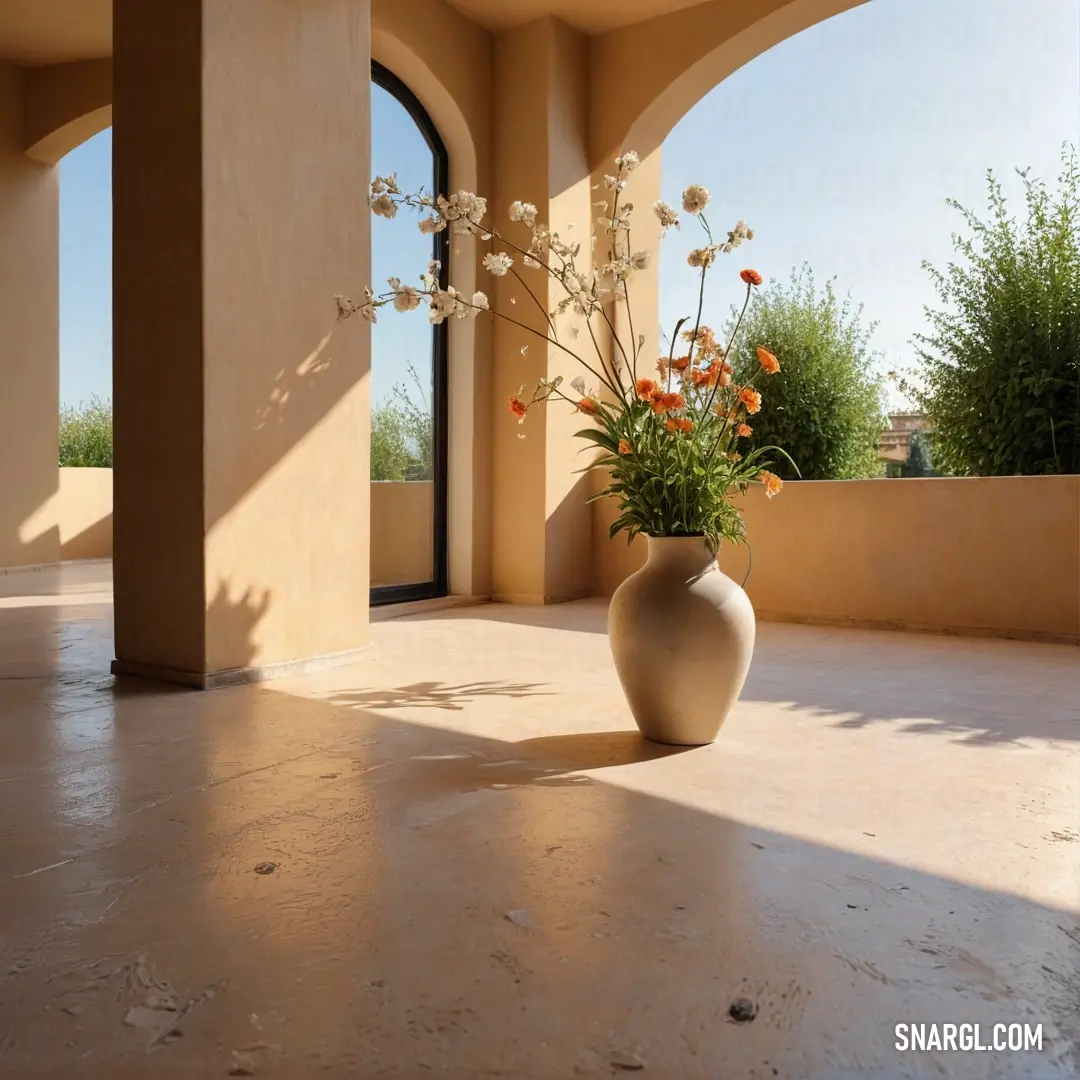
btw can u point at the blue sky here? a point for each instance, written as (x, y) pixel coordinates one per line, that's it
(86, 271)
(839, 147)
(86, 274)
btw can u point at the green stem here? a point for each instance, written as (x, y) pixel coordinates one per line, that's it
(723, 359)
(558, 344)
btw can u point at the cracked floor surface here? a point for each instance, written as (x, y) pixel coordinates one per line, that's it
(455, 858)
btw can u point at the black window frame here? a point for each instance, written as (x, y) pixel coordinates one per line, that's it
(438, 585)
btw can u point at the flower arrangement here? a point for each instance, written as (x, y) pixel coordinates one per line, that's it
(669, 433)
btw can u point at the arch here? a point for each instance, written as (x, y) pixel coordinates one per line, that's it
(439, 584)
(678, 59)
(69, 103)
(64, 105)
(468, 340)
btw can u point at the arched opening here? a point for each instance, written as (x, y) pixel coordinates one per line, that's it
(845, 165)
(84, 508)
(841, 140)
(86, 272)
(63, 412)
(409, 371)
(409, 382)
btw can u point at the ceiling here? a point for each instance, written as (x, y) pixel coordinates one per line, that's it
(35, 32)
(590, 16)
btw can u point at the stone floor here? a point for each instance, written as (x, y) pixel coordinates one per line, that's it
(479, 870)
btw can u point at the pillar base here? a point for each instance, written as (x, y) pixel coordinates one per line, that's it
(217, 680)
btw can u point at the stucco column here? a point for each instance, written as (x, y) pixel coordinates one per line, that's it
(29, 340)
(542, 535)
(613, 559)
(241, 147)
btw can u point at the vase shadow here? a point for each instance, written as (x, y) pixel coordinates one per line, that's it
(596, 749)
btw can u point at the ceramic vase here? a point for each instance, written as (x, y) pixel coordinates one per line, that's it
(682, 636)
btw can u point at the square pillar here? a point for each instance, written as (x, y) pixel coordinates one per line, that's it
(241, 163)
(541, 534)
(29, 340)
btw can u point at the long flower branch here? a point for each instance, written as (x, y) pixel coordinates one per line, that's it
(645, 431)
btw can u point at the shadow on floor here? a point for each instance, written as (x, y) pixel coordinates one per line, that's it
(450, 903)
(597, 749)
(965, 689)
(434, 695)
(981, 692)
(416, 913)
(550, 760)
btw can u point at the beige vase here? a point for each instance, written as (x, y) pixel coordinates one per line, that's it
(682, 635)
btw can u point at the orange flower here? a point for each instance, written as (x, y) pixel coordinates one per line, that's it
(751, 399)
(625, 447)
(668, 403)
(704, 339)
(770, 365)
(518, 407)
(646, 389)
(771, 482)
(587, 405)
(703, 336)
(662, 366)
(724, 378)
(751, 277)
(685, 426)
(704, 376)
(681, 364)
(744, 431)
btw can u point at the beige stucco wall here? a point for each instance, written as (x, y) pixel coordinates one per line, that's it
(66, 104)
(241, 410)
(519, 528)
(542, 536)
(29, 340)
(676, 59)
(995, 554)
(84, 513)
(401, 524)
(446, 61)
(401, 533)
(990, 555)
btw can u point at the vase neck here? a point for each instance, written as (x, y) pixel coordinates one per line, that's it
(689, 553)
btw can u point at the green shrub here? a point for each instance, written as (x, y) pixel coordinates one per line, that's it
(86, 435)
(825, 407)
(401, 436)
(1000, 373)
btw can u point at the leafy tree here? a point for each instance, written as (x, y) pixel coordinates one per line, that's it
(86, 435)
(401, 436)
(401, 442)
(919, 462)
(825, 407)
(1000, 373)
(390, 457)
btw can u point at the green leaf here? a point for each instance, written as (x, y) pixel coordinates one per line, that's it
(601, 438)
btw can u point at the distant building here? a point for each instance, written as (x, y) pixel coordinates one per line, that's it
(895, 443)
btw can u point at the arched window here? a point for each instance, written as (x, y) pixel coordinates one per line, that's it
(408, 365)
